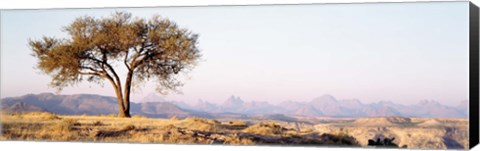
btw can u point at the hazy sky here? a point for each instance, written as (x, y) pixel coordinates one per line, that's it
(401, 52)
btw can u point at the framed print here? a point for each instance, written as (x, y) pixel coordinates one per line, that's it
(355, 75)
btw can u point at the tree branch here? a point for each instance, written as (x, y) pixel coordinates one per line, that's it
(90, 73)
(125, 61)
(90, 68)
(137, 54)
(118, 91)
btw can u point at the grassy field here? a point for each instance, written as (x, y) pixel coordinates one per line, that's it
(41, 126)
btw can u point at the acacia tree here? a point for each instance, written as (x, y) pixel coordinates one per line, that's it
(155, 49)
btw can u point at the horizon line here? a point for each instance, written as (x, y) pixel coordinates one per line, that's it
(244, 101)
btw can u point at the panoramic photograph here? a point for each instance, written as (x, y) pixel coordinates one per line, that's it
(366, 75)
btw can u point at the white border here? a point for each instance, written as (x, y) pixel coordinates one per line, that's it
(37, 4)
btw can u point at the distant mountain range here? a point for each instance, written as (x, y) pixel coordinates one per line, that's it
(156, 106)
(328, 105)
(90, 104)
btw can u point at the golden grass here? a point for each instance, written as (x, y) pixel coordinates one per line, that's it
(138, 129)
(266, 129)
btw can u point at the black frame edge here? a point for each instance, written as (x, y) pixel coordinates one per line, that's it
(474, 75)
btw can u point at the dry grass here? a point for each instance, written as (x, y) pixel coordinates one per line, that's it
(192, 130)
(415, 133)
(266, 129)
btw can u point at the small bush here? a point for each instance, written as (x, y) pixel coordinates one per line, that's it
(385, 142)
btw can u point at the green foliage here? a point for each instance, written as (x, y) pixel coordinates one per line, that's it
(155, 49)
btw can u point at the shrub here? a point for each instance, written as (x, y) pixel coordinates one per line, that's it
(386, 142)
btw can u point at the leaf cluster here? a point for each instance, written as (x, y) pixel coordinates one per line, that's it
(156, 49)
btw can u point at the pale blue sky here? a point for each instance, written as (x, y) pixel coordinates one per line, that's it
(401, 52)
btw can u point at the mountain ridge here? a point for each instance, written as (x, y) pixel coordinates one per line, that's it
(323, 106)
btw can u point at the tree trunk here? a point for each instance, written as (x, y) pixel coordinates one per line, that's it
(126, 93)
(122, 110)
(124, 113)
(123, 99)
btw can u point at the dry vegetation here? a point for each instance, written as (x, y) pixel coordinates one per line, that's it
(413, 133)
(108, 128)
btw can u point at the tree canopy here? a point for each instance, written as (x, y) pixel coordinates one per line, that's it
(154, 49)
